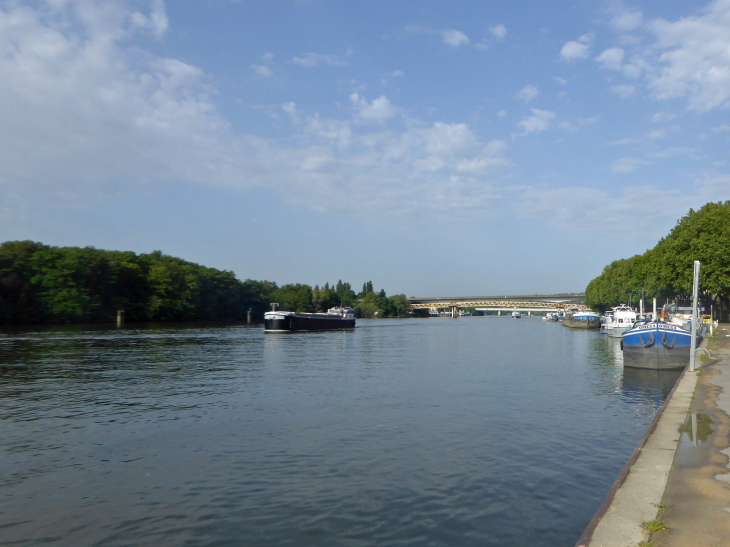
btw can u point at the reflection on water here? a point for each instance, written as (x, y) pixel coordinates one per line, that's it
(649, 385)
(698, 427)
(479, 431)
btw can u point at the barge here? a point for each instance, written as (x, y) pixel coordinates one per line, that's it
(287, 321)
(656, 345)
(576, 319)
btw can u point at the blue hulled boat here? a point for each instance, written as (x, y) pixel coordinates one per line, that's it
(657, 345)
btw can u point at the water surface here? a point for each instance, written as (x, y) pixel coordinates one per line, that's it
(475, 431)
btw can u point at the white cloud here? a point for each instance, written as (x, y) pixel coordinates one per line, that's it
(528, 93)
(156, 21)
(501, 113)
(560, 80)
(611, 58)
(628, 165)
(498, 31)
(378, 111)
(651, 136)
(574, 50)
(454, 38)
(290, 108)
(316, 59)
(693, 58)
(262, 70)
(481, 46)
(626, 21)
(622, 90)
(568, 126)
(721, 128)
(538, 122)
(398, 74)
(267, 56)
(597, 208)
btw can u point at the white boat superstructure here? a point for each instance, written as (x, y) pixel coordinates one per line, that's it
(623, 318)
(516, 314)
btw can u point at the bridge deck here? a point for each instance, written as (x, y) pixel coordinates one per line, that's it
(535, 302)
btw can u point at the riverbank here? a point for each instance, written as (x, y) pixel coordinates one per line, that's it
(677, 478)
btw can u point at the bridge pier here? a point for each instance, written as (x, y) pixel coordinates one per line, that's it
(499, 313)
(454, 312)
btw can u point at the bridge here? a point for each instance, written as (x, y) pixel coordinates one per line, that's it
(521, 303)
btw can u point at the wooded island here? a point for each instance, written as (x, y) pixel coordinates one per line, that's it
(44, 284)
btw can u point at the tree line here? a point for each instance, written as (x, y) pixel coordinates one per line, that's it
(666, 271)
(44, 284)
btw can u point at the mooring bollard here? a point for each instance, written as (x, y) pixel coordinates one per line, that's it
(120, 318)
(248, 315)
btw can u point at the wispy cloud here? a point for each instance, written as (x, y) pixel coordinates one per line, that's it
(317, 59)
(528, 93)
(628, 165)
(662, 117)
(378, 111)
(623, 90)
(626, 20)
(262, 70)
(611, 58)
(454, 38)
(498, 31)
(691, 58)
(575, 50)
(538, 122)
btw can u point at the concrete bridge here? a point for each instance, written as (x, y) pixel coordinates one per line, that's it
(507, 303)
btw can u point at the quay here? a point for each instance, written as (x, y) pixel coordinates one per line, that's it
(678, 477)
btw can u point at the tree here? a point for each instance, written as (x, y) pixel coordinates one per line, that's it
(666, 271)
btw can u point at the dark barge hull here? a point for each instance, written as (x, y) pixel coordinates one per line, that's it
(656, 358)
(590, 323)
(306, 321)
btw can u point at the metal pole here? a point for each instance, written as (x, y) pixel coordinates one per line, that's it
(654, 314)
(712, 321)
(693, 346)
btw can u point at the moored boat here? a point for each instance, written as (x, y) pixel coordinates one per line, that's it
(285, 321)
(623, 318)
(656, 345)
(577, 319)
(516, 314)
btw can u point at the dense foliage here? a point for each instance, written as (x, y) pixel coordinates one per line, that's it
(666, 271)
(43, 284)
(303, 298)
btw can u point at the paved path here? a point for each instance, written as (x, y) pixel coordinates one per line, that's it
(697, 496)
(680, 472)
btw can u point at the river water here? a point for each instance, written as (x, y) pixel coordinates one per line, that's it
(475, 431)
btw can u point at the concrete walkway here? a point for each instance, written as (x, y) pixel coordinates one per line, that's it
(697, 496)
(679, 472)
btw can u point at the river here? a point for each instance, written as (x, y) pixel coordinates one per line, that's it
(474, 431)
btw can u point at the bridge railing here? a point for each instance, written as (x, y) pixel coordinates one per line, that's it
(496, 304)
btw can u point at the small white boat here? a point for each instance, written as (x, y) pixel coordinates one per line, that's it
(622, 319)
(516, 314)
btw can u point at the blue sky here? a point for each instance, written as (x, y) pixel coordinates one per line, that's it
(433, 147)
